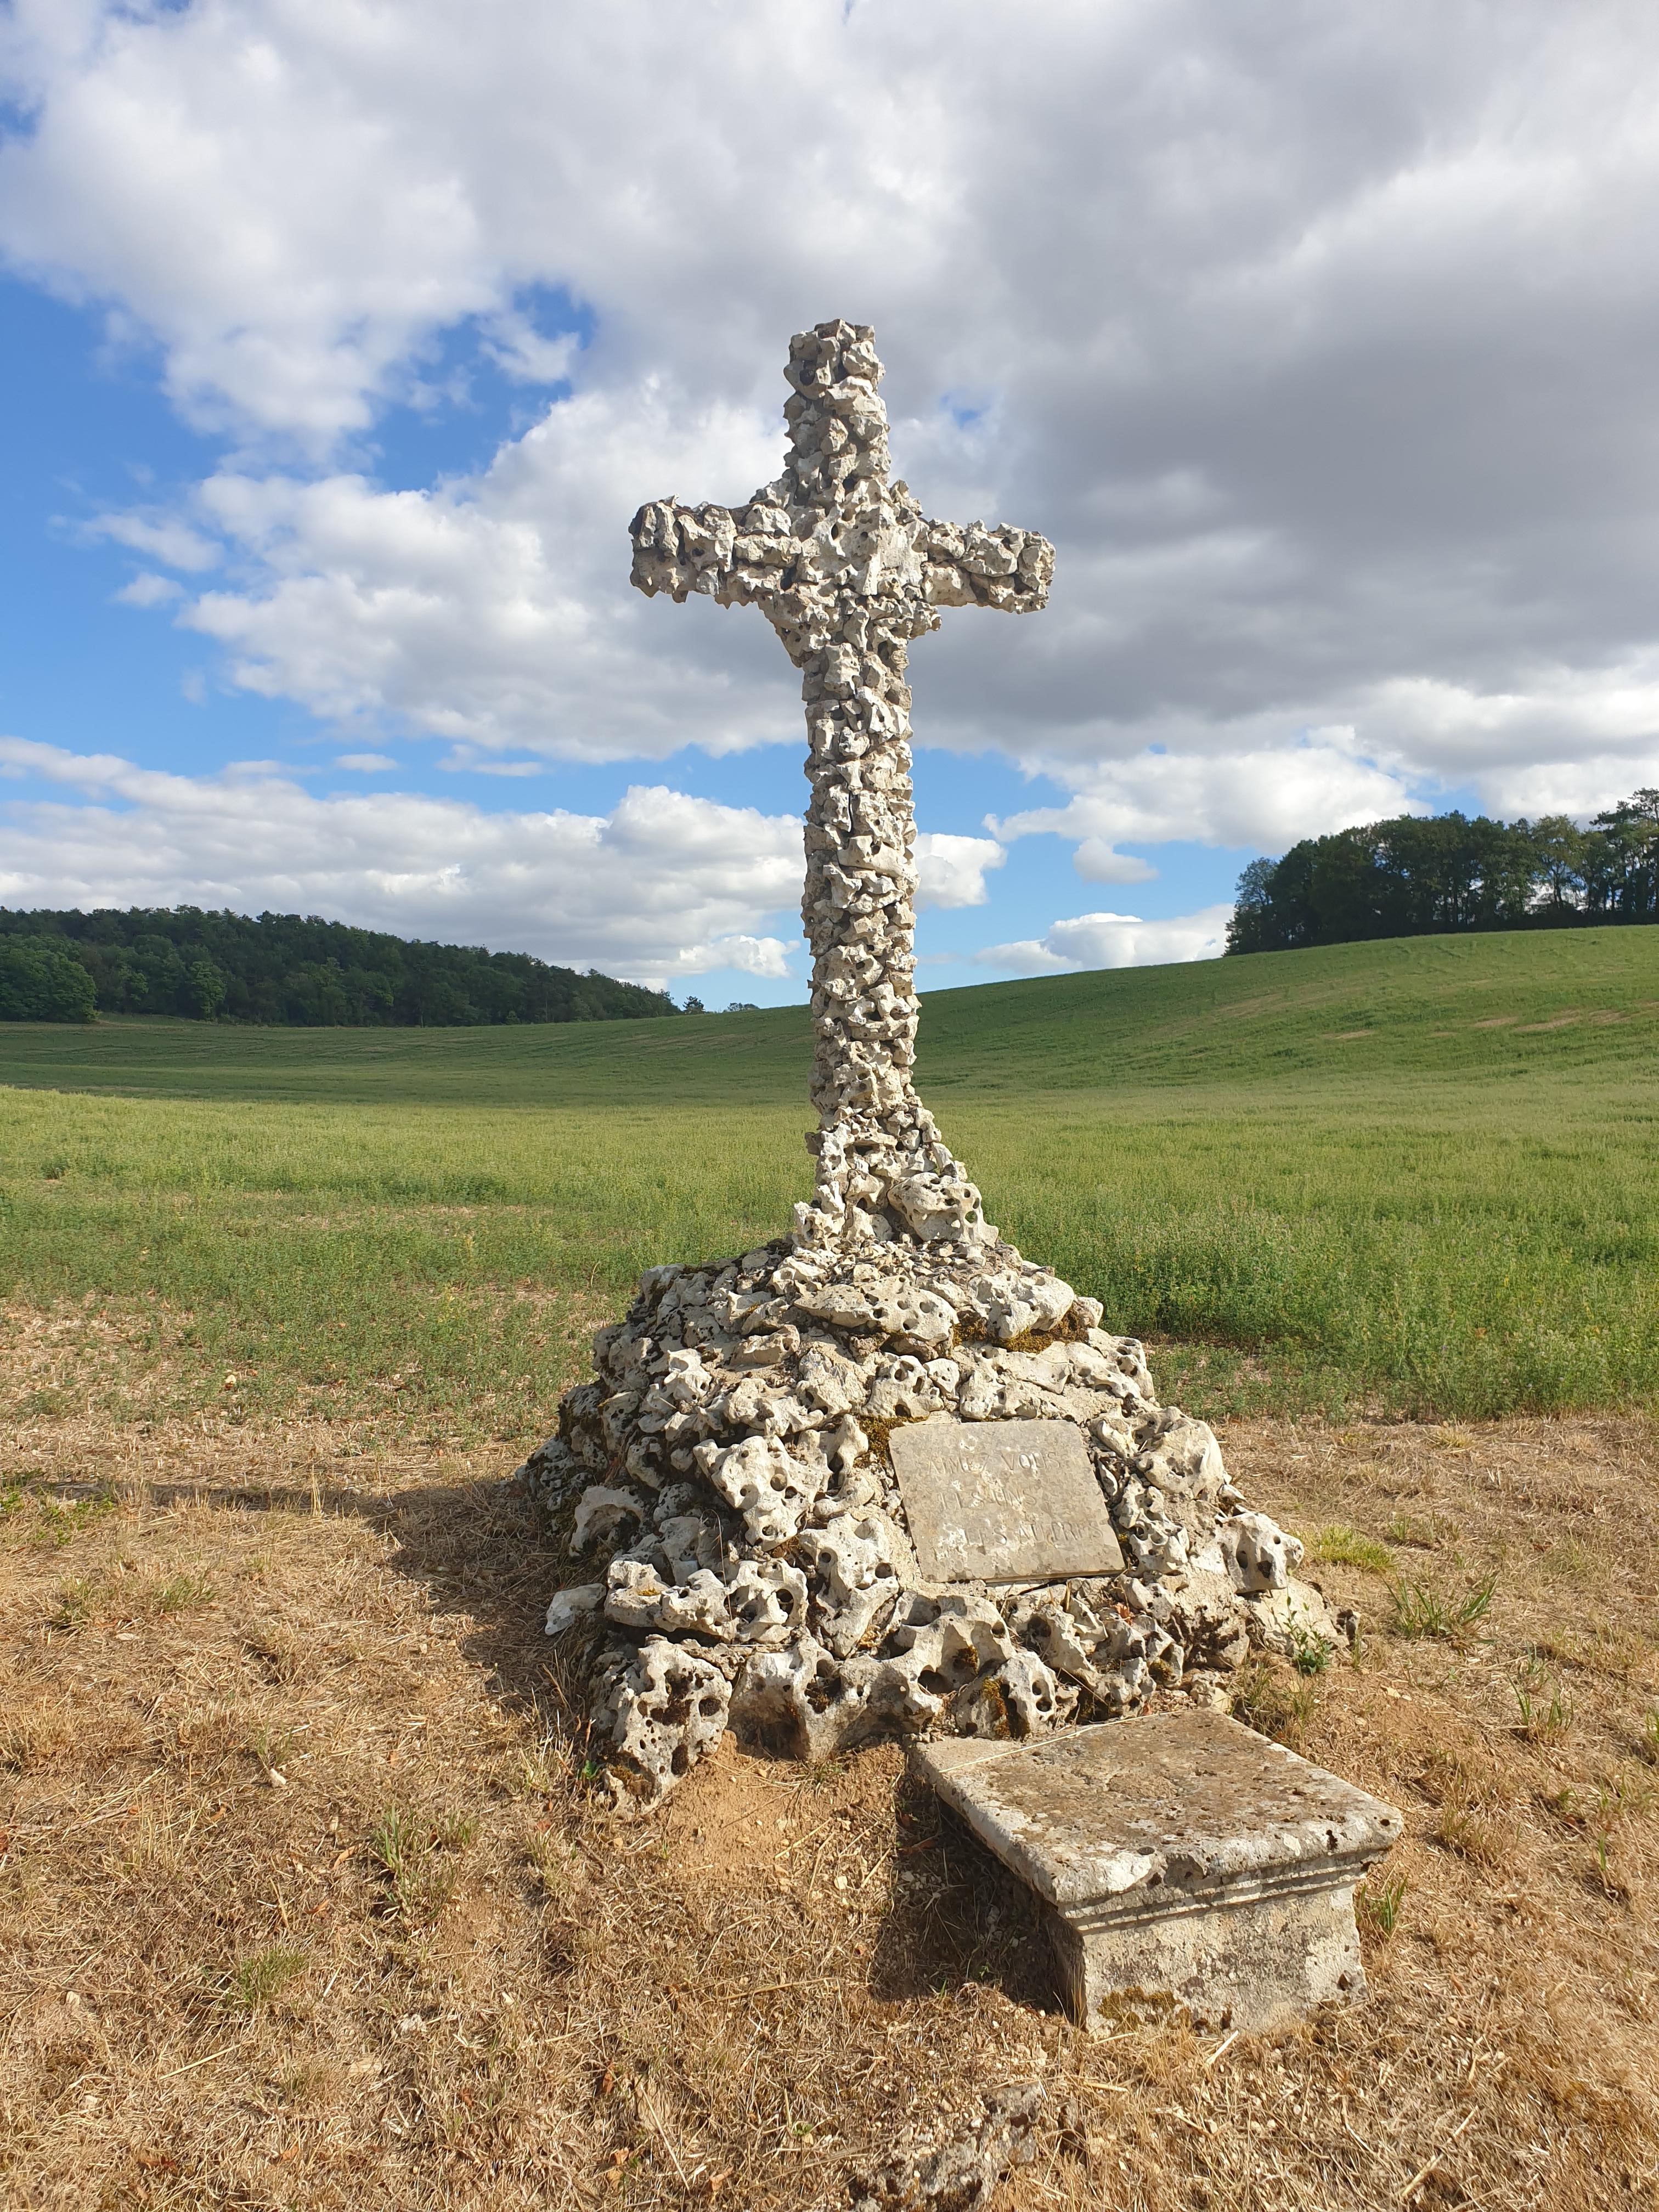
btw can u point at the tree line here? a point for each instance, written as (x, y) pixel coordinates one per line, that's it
(281, 968)
(1414, 876)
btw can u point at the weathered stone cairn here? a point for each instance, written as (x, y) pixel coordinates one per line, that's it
(883, 1476)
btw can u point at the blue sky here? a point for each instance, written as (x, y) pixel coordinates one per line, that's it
(334, 376)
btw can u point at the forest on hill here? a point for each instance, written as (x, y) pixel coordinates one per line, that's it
(282, 969)
(1420, 877)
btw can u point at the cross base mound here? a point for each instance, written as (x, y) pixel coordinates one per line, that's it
(1187, 1865)
(739, 1551)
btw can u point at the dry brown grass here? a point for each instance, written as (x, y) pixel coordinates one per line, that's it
(302, 1903)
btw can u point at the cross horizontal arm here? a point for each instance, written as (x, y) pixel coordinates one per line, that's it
(742, 555)
(735, 556)
(974, 567)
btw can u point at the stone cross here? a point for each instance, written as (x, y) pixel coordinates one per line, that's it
(842, 562)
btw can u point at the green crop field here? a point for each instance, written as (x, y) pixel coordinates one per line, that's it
(1416, 1177)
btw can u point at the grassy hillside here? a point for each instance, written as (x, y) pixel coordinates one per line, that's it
(1509, 1004)
(1426, 1005)
(1418, 1175)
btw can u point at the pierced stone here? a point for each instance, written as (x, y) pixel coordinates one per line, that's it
(1187, 1864)
(1003, 1501)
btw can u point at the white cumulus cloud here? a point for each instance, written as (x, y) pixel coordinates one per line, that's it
(519, 349)
(664, 886)
(952, 869)
(1320, 344)
(497, 610)
(164, 538)
(1112, 940)
(1264, 797)
(147, 589)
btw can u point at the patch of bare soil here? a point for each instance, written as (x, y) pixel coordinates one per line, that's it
(302, 1902)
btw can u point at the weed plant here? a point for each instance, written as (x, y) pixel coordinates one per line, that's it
(1379, 1898)
(256, 1981)
(1341, 1545)
(1310, 1653)
(1421, 1609)
(406, 1846)
(1265, 1700)
(1544, 1719)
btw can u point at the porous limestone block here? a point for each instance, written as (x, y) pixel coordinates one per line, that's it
(1188, 1863)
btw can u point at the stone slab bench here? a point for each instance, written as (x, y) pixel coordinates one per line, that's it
(1188, 1863)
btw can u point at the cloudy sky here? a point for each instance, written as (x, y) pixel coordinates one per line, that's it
(343, 337)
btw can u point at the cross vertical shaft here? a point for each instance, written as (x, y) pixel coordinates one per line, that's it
(847, 570)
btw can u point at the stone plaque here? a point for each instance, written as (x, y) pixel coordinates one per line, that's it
(1002, 1501)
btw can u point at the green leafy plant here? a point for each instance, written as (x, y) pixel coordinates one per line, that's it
(257, 1980)
(1379, 1902)
(76, 1598)
(1310, 1653)
(409, 1849)
(1342, 1546)
(1542, 1720)
(1421, 1610)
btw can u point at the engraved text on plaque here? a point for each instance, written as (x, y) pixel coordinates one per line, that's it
(1003, 1501)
